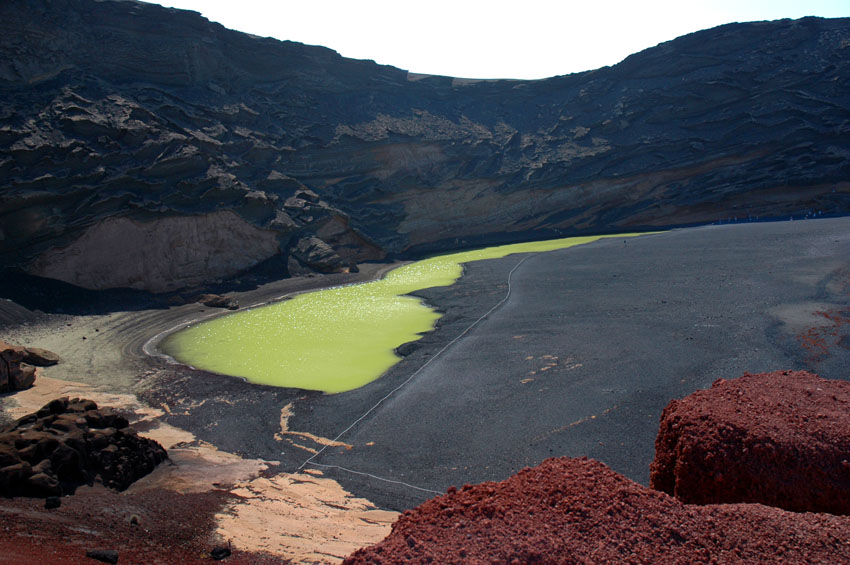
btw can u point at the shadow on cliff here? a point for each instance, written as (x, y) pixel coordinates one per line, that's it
(56, 297)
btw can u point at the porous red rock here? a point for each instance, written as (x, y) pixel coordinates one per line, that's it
(580, 511)
(69, 443)
(781, 439)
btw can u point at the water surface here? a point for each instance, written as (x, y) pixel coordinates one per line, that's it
(337, 339)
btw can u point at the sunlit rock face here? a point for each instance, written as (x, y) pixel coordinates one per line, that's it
(130, 110)
(159, 255)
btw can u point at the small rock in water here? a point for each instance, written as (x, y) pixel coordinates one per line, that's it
(52, 502)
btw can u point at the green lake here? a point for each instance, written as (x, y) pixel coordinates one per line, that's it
(336, 339)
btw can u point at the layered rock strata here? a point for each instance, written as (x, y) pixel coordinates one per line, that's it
(780, 439)
(68, 443)
(217, 150)
(579, 511)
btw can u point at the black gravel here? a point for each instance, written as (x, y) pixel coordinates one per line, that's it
(623, 325)
(628, 325)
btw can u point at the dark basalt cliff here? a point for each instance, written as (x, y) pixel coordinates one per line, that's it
(149, 148)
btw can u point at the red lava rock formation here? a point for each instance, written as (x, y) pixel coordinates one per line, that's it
(69, 443)
(580, 511)
(780, 439)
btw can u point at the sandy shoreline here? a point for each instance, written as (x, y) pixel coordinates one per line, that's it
(301, 517)
(305, 517)
(113, 349)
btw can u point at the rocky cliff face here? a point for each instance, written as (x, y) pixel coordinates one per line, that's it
(120, 111)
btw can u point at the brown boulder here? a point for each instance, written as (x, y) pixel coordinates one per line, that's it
(68, 443)
(218, 301)
(780, 439)
(580, 511)
(44, 483)
(40, 357)
(22, 377)
(15, 372)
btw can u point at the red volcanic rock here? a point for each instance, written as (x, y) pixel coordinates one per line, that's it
(579, 511)
(781, 439)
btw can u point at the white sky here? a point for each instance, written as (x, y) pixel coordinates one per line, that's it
(494, 39)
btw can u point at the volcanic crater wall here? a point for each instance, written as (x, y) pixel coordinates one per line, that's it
(123, 110)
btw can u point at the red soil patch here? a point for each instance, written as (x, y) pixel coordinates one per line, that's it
(820, 341)
(171, 528)
(781, 439)
(579, 511)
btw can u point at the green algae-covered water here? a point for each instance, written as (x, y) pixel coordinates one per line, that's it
(337, 339)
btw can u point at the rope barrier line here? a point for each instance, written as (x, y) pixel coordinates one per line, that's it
(309, 461)
(376, 477)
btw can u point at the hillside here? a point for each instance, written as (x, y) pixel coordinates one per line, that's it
(149, 148)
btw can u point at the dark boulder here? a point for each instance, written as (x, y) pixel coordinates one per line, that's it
(103, 555)
(218, 301)
(313, 254)
(68, 443)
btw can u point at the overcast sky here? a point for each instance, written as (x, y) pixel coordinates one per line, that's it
(494, 39)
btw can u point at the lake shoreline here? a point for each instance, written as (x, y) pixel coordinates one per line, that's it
(103, 359)
(593, 343)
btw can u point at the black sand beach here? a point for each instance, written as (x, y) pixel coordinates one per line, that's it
(592, 344)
